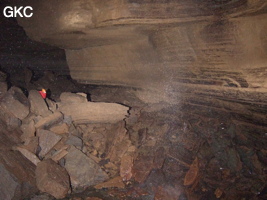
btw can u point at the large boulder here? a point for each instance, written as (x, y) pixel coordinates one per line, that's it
(52, 178)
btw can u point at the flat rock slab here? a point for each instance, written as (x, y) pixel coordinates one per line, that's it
(38, 105)
(15, 102)
(47, 140)
(112, 183)
(68, 97)
(93, 112)
(83, 171)
(60, 128)
(52, 178)
(29, 155)
(49, 121)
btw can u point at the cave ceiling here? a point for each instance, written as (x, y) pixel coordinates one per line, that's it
(164, 45)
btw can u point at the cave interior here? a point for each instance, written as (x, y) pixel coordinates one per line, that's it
(150, 99)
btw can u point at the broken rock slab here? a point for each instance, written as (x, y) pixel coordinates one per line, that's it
(52, 179)
(38, 105)
(68, 97)
(16, 103)
(60, 128)
(83, 171)
(112, 183)
(47, 140)
(93, 112)
(47, 122)
(75, 141)
(29, 155)
(28, 130)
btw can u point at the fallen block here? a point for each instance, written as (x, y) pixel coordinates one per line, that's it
(28, 130)
(93, 112)
(68, 97)
(83, 171)
(52, 179)
(47, 140)
(49, 121)
(29, 155)
(38, 105)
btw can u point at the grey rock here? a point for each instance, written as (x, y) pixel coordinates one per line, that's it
(47, 140)
(8, 184)
(75, 141)
(15, 102)
(83, 171)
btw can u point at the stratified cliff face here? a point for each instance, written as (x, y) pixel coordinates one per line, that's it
(212, 51)
(145, 44)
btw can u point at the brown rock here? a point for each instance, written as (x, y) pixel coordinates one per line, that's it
(28, 130)
(60, 128)
(31, 144)
(118, 143)
(218, 193)
(29, 155)
(112, 183)
(192, 173)
(49, 121)
(126, 167)
(142, 167)
(38, 105)
(68, 97)
(15, 102)
(59, 154)
(52, 178)
(93, 112)
(47, 140)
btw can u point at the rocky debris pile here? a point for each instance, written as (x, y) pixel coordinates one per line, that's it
(72, 144)
(159, 151)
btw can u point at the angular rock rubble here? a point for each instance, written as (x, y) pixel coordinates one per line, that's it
(62, 143)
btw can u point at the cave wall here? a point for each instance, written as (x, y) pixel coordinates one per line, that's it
(148, 44)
